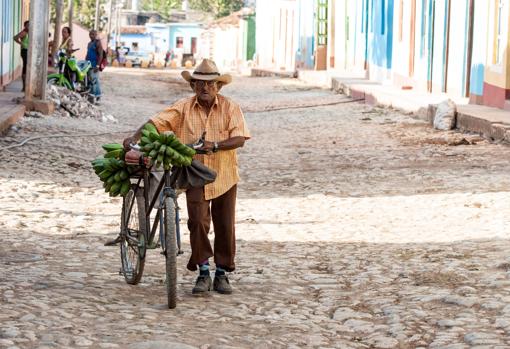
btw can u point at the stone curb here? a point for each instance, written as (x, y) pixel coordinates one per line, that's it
(10, 116)
(466, 121)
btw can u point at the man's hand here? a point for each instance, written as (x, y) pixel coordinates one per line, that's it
(127, 142)
(96, 69)
(208, 147)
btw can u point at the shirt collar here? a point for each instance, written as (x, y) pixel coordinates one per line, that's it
(195, 102)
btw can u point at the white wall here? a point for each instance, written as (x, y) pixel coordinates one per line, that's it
(276, 38)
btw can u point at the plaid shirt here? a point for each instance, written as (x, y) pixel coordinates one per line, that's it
(188, 120)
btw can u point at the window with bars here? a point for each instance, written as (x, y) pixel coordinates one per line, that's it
(322, 22)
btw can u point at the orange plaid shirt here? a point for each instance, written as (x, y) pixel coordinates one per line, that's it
(188, 120)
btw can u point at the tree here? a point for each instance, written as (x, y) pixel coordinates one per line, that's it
(163, 7)
(220, 8)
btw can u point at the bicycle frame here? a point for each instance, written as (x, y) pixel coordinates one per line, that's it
(163, 191)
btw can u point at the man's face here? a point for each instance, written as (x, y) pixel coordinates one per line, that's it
(92, 35)
(206, 91)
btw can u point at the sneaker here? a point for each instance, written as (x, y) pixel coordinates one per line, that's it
(222, 285)
(113, 242)
(202, 285)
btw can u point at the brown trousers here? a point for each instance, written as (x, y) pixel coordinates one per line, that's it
(222, 210)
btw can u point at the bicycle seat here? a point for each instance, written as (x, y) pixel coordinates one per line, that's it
(82, 65)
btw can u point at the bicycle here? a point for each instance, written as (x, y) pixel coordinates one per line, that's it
(137, 234)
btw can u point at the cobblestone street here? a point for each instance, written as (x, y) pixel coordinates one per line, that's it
(357, 227)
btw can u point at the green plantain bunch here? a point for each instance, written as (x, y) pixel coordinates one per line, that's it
(165, 148)
(112, 170)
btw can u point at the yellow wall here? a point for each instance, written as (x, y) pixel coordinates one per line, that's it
(498, 74)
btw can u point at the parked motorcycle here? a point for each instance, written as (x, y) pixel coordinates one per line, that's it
(72, 74)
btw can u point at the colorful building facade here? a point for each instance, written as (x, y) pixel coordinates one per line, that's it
(12, 16)
(181, 38)
(457, 47)
(490, 70)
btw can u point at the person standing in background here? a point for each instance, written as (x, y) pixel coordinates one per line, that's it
(22, 39)
(95, 56)
(67, 41)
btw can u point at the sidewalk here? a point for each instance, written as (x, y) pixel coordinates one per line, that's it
(492, 123)
(261, 72)
(10, 111)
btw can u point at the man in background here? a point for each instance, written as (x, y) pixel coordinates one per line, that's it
(95, 56)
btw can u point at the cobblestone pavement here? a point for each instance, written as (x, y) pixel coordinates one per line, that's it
(358, 227)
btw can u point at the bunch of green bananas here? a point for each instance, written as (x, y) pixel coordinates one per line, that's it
(112, 170)
(164, 149)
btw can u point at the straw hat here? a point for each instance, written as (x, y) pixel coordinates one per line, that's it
(207, 71)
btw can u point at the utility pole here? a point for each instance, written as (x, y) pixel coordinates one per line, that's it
(96, 23)
(110, 21)
(71, 3)
(59, 9)
(37, 67)
(117, 30)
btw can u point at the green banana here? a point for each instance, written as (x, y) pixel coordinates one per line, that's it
(145, 140)
(124, 175)
(174, 142)
(150, 127)
(112, 146)
(170, 152)
(153, 136)
(188, 161)
(188, 151)
(115, 187)
(153, 153)
(124, 189)
(145, 133)
(148, 147)
(104, 175)
(162, 149)
(110, 180)
(115, 153)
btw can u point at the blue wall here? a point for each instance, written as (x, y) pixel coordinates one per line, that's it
(306, 29)
(185, 31)
(380, 30)
(143, 40)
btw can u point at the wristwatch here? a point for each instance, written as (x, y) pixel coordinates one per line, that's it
(215, 147)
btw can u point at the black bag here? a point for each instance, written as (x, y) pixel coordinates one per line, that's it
(194, 176)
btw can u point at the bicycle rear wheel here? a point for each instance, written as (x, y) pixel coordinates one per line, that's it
(170, 252)
(133, 244)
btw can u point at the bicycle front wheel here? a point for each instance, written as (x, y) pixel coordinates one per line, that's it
(170, 252)
(133, 244)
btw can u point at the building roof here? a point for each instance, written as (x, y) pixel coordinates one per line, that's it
(233, 19)
(133, 29)
(190, 16)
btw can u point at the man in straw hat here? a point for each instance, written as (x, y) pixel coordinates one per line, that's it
(225, 130)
